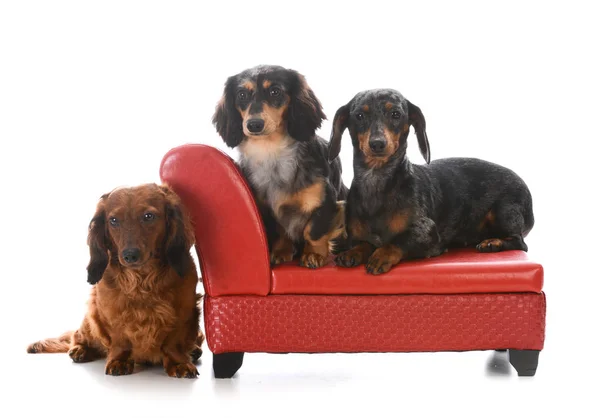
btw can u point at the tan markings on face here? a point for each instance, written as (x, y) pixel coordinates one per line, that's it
(405, 128)
(399, 222)
(266, 84)
(274, 118)
(393, 141)
(388, 106)
(377, 161)
(365, 108)
(370, 160)
(249, 84)
(363, 142)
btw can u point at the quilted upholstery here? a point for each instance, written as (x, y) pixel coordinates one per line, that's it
(458, 271)
(305, 324)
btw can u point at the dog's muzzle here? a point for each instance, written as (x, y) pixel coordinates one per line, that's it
(377, 146)
(255, 126)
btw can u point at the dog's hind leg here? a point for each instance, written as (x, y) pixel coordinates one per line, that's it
(84, 347)
(506, 230)
(491, 245)
(52, 345)
(325, 225)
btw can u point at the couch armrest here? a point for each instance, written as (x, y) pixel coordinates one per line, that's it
(230, 238)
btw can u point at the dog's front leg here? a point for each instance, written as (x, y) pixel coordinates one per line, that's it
(282, 249)
(356, 255)
(176, 362)
(119, 361)
(421, 239)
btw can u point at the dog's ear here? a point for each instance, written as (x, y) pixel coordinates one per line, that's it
(98, 243)
(305, 112)
(226, 119)
(179, 233)
(340, 123)
(417, 120)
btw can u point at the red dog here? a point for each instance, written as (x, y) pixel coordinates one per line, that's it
(143, 307)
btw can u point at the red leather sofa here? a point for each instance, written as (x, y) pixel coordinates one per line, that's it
(459, 301)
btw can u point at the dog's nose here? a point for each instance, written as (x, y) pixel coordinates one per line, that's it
(255, 125)
(131, 255)
(377, 145)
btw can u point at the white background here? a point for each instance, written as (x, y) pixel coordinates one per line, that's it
(93, 94)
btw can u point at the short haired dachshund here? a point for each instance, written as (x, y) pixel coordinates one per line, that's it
(396, 210)
(270, 115)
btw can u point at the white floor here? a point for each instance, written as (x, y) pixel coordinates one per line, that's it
(420, 384)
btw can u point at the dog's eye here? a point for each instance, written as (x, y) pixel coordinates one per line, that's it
(113, 221)
(148, 216)
(242, 95)
(396, 114)
(275, 91)
(360, 116)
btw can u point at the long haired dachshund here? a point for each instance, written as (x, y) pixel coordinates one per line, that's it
(270, 115)
(143, 307)
(396, 210)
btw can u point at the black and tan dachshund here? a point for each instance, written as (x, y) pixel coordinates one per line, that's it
(396, 210)
(270, 115)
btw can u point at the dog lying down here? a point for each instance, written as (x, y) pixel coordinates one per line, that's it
(143, 306)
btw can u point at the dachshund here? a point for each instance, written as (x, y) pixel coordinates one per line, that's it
(143, 307)
(397, 211)
(270, 115)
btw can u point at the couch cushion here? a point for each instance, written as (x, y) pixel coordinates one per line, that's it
(457, 271)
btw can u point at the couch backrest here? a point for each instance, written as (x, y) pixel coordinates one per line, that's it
(230, 239)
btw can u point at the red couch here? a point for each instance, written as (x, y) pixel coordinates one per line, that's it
(460, 301)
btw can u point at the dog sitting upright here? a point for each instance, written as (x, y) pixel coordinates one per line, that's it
(143, 307)
(271, 115)
(396, 210)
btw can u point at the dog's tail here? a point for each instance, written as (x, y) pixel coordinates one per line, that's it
(52, 345)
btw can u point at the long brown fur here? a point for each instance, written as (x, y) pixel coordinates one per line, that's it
(146, 310)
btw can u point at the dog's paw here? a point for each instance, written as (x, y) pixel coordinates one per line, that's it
(350, 258)
(281, 256)
(119, 367)
(34, 348)
(313, 260)
(490, 245)
(383, 259)
(377, 266)
(187, 370)
(81, 354)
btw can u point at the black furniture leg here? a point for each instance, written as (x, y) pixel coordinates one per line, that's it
(525, 362)
(225, 365)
